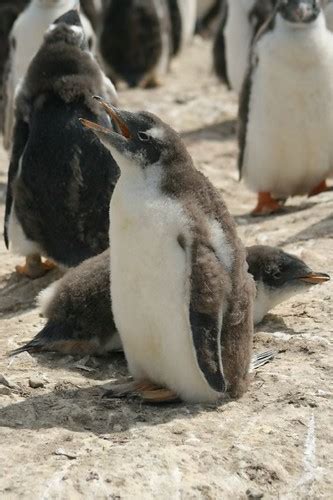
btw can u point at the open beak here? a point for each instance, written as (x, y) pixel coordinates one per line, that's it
(114, 114)
(315, 278)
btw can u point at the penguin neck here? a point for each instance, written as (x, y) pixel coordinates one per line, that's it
(287, 26)
(135, 177)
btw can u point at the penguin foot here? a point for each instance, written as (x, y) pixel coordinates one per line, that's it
(152, 82)
(144, 390)
(318, 189)
(266, 205)
(34, 267)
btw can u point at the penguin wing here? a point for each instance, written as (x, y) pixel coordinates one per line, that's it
(20, 138)
(219, 59)
(206, 304)
(8, 103)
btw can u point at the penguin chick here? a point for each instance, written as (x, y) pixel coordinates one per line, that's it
(26, 38)
(285, 121)
(135, 41)
(240, 22)
(60, 178)
(181, 295)
(79, 311)
(278, 276)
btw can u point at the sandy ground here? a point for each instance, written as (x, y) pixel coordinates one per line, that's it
(61, 441)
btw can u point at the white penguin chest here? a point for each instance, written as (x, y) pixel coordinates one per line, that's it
(150, 290)
(288, 146)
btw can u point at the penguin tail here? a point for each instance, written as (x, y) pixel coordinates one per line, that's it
(59, 337)
(53, 337)
(261, 359)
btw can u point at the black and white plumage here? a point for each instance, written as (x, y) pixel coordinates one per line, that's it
(60, 177)
(284, 117)
(239, 23)
(135, 41)
(79, 313)
(183, 307)
(26, 37)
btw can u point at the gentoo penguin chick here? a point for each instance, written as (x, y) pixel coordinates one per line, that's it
(60, 178)
(278, 276)
(26, 38)
(135, 41)
(79, 312)
(183, 20)
(285, 123)
(181, 296)
(240, 21)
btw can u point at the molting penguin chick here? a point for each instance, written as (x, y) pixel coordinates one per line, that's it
(240, 21)
(25, 39)
(285, 120)
(60, 177)
(135, 41)
(181, 295)
(278, 276)
(79, 311)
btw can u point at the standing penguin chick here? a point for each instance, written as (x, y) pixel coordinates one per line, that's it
(183, 20)
(240, 21)
(181, 295)
(60, 178)
(135, 41)
(79, 311)
(285, 116)
(25, 39)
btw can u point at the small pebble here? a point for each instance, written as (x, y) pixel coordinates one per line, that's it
(35, 383)
(5, 391)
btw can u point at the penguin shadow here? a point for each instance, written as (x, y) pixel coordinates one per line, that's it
(18, 293)
(84, 409)
(248, 219)
(321, 229)
(273, 323)
(215, 132)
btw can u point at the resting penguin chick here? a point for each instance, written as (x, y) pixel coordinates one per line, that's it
(79, 312)
(278, 276)
(135, 41)
(60, 178)
(240, 21)
(181, 296)
(285, 123)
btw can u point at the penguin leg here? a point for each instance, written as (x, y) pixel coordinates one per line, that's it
(266, 205)
(158, 396)
(34, 267)
(319, 189)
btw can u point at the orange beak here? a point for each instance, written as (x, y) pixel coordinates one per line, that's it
(316, 278)
(112, 112)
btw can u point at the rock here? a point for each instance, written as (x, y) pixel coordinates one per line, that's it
(5, 391)
(62, 453)
(35, 383)
(4, 381)
(254, 495)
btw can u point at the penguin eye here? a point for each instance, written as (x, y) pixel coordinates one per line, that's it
(143, 136)
(277, 275)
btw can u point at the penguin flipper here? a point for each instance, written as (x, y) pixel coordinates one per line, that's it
(219, 55)
(206, 303)
(20, 138)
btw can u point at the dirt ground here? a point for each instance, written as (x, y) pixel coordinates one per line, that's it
(60, 441)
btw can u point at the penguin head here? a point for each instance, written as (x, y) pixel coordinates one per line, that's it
(278, 276)
(68, 29)
(140, 138)
(299, 11)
